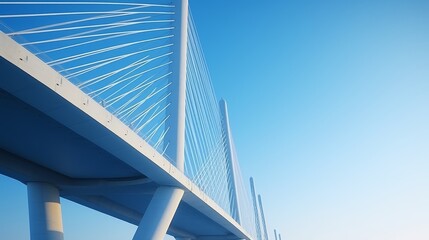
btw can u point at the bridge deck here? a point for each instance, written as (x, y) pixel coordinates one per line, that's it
(53, 132)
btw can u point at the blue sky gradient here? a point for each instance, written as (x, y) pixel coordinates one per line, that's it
(328, 105)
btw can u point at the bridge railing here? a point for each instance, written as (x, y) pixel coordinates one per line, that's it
(121, 54)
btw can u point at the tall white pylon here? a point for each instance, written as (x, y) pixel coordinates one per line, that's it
(164, 203)
(176, 134)
(235, 207)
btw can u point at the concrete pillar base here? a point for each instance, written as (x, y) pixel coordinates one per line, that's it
(158, 215)
(45, 212)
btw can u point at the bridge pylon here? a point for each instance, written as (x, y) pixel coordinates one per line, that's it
(256, 211)
(160, 212)
(235, 207)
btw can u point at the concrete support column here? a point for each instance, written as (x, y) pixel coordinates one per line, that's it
(45, 212)
(158, 215)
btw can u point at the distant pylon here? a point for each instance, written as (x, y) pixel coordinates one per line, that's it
(233, 195)
(264, 226)
(255, 208)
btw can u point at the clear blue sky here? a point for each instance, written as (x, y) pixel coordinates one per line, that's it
(329, 108)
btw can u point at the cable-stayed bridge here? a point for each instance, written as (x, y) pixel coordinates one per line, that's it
(110, 105)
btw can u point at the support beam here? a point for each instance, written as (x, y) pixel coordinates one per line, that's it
(45, 212)
(275, 234)
(159, 213)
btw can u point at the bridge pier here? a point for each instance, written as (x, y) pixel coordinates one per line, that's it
(158, 215)
(44, 212)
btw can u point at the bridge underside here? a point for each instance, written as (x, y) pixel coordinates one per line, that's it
(39, 143)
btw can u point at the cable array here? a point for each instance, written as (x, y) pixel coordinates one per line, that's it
(119, 53)
(208, 162)
(205, 154)
(247, 215)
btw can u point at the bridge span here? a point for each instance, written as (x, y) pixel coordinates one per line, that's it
(149, 161)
